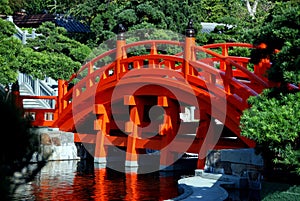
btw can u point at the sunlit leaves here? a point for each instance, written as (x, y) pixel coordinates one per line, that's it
(52, 54)
(274, 123)
(5, 8)
(9, 51)
(42, 64)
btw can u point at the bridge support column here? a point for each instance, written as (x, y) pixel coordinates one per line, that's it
(168, 130)
(214, 131)
(62, 90)
(100, 125)
(132, 127)
(100, 149)
(131, 161)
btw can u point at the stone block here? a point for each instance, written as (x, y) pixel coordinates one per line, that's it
(242, 156)
(56, 141)
(45, 139)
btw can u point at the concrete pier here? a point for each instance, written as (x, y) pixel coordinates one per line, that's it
(231, 168)
(55, 144)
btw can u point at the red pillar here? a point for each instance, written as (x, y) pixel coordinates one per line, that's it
(62, 90)
(120, 52)
(188, 51)
(100, 125)
(132, 128)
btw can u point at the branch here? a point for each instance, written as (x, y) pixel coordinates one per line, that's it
(252, 10)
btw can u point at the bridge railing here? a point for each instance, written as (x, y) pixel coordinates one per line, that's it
(113, 72)
(41, 116)
(96, 70)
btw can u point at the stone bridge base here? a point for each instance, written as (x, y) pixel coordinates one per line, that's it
(56, 145)
(243, 167)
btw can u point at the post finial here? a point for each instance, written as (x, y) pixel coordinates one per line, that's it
(121, 32)
(190, 31)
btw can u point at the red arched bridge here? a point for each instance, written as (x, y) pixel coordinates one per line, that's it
(189, 101)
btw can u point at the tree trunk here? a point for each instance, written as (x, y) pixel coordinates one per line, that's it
(252, 10)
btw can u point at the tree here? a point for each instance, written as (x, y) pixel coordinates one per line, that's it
(273, 123)
(9, 51)
(52, 54)
(273, 118)
(5, 8)
(252, 9)
(280, 31)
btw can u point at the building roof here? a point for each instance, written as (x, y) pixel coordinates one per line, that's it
(70, 24)
(23, 20)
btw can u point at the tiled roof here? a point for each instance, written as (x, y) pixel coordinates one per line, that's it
(32, 20)
(70, 24)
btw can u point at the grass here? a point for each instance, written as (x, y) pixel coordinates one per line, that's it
(280, 191)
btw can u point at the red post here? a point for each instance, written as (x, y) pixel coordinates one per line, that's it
(188, 52)
(132, 127)
(224, 53)
(101, 125)
(61, 93)
(121, 42)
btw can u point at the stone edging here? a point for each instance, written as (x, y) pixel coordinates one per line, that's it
(186, 192)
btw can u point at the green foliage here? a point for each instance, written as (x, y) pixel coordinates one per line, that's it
(279, 191)
(52, 54)
(7, 29)
(273, 122)
(9, 50)
(280, 31)
(5, 8)
(127, 17)
(104, 23)
(286, 67)
(36, 6)
(273, 119)
(16, 5)
(51, 64)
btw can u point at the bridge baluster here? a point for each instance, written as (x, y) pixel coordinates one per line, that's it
(224, 50)
(153, 62)
(228, 77)
(153, 49)
(225, 54)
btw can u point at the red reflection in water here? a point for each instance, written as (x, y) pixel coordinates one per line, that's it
(104, 185)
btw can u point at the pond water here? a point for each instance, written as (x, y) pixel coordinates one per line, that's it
(78, 180)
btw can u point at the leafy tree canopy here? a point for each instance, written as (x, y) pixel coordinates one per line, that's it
(52, 54)
(273, 122)
(281, 31)
(5, 8)
(9, 51)
(273, 118)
